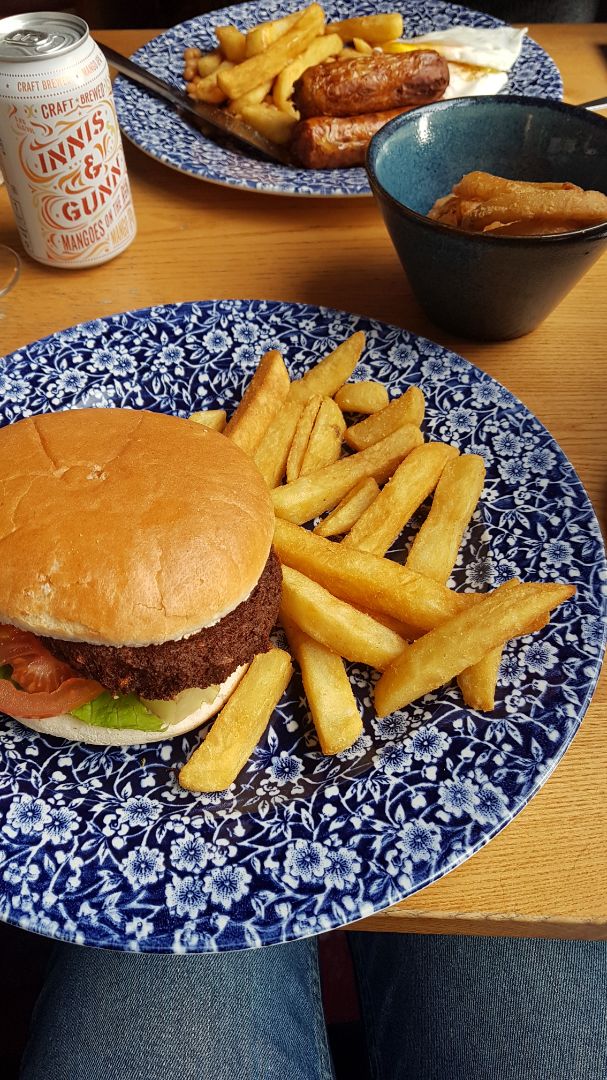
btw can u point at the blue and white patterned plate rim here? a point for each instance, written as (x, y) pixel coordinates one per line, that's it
(155, 128)
(101, 847)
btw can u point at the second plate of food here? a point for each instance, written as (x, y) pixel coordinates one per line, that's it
(155, 127)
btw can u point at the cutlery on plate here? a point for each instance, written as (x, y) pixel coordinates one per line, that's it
(207, 118)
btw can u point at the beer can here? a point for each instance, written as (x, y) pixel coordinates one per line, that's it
(60, 146)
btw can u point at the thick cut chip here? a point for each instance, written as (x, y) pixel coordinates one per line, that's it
(311, 495)
(362, 397)
(302, 434)
(272, 453)
(343, 629)
(348, 511)
(407, 409)
(266, 33)
(377, 529)
(333, 707)
(232, 43)
(434, 549)
(333, 371)
(361, 46)
(457, 644)
(260, 402)
(211, 418)
(216, 763)
(367, 581)
(319, 50)
(272, 123)
(208, 89)
(252, 97)
(267, 64)
(324, 444)
(478, 683)
(404, 630)
(373, 29)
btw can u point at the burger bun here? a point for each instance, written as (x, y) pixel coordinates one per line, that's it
(124, 527)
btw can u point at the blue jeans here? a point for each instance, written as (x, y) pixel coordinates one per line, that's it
(435, 1008)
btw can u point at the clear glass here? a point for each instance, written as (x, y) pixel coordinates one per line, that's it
(10, 264)
(10, 268)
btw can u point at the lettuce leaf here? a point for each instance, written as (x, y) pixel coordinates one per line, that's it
(125, 711)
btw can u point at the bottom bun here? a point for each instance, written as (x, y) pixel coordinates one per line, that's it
(70, 727)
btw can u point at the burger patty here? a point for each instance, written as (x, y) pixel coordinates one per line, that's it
(208, 657)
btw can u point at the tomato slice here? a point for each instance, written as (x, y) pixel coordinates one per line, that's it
(47, 686)
(70, 695)
(34, 667)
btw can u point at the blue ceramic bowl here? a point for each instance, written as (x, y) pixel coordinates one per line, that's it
(478, 285)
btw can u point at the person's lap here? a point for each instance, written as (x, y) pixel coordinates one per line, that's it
(477, 1008)
(217, 1016)
(435, 1008)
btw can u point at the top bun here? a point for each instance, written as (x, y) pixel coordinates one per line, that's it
(126, 528)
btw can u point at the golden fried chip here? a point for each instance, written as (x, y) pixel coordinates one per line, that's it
(348, 511)
(311, 495)
(324, 444)
(377, 529)
(237, 729)
(462, 641)
(362, 397)
(272, 123)
(339, 626)
(273, 450)
(301, 438)
(317, 51)
(374, 29)
(260, 402)
(407, 409)
(367, 581)
(211, 418)
(333, 371)
(435, 547)
(267, 64)
(266, 33)
(333, 707)
(232, 43)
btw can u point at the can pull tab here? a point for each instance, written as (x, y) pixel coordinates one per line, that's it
(37, 40)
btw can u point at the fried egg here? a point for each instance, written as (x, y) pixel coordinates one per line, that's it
(496, 48)
(466, 80)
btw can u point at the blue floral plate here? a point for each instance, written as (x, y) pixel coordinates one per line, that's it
(102, 847)
(154, 126)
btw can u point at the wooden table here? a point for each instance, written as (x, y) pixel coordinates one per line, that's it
(545, 874)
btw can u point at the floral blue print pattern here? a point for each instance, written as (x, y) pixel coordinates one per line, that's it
(101, 846)
(153, 126)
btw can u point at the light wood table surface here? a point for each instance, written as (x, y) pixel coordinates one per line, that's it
(544, 875)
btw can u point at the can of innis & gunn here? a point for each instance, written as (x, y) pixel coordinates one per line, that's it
(60, 147)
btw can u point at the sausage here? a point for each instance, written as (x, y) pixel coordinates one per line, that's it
(336, 142)
(371, 83)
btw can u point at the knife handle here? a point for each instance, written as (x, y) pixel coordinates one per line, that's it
(129, 67)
